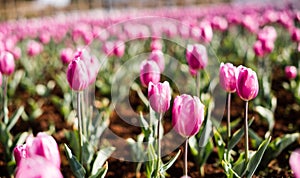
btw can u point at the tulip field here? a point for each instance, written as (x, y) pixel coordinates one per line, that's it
(196, 91)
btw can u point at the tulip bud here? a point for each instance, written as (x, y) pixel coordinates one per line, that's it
(66, 55)
(290, 72)
(44, 145)
(187, 115)
(119, 48)
(77, 75)
(7, 63)
(227, 77)
(149, 72)
(247, 84)
(295, 162)
(196, 56)
(37, 166)
(34, 48)
(158, 57)
(159, 96)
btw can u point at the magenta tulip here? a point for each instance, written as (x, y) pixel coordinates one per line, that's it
(7, 63)
(290, 72)
(295, 162)
(66, 55)
(247, 84)
(206, 31)
(227, 77)
(196, 56)
(296, 34)
(158, 57)
(159, 96)
(77, 75)
(187, 115)
(149, 72)
(119, 48)
(258, 49)
(20, 153)
(37, 166)
(34, 48)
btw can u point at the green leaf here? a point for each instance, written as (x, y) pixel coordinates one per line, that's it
(77, 169)
(14, 119)
(101, 172)
(101, 157)
(220, 145)
(237, 136)
(277, 146)
(256, 158)
(166, 166)
(266, 114)
(240, 166)
(255, 139)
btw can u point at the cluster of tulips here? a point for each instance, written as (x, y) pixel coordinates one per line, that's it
(85, 41)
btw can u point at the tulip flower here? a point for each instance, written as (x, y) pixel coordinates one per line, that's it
(66, 55)
(247, 89)
(247, 83)
(34, 48)
(7, 63)
(227, 77)
(149, 72)
(119, 48)
(187, 118)
(187, 115)
(77, 75)
(290, 72)
(206, 31)
(196, 56)
(155, 45)
(159, 96)
(37, 166)
(295, 162)
(158, 57)
(296, 35)
(42, 145)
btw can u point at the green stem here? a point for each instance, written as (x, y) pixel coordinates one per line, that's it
(79, 126)
(5, 108)
(228, 123)
(198, 84)
(158, 145)
(246, 133)
(185, 158)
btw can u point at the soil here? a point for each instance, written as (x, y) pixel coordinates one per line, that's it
(286, 122)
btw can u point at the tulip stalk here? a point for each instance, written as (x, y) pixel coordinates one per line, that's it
(5, 109)
(158, 144)
(79, 126)
(246, 133)
(185, 158)
(228, 122)
(198, 84)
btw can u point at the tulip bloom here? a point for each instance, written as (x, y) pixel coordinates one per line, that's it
(247, 84)
(295, 162)
(290, 72)
(7, 63)
(227, 77)
(158, 57)
(149, 72)
(66, 55)
(77, 75)
(187, 115)
(34, 48)
(37, 166)
(159, 96)
(196, 56)
(119, 48)
(42, 145)
(155, 45)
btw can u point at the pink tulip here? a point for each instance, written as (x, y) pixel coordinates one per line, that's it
(219, 23)
(7, 63)
(119, 48)
(66, 55)
(107, 48)
(45, 37)
(20, 153)
(155, 45)
(77, 75)
(227, 77)
(193, 72)
(296, 34)
(34, 48)
(158, 57)
(37, 166)
(159, 96)
(196, 56)
(206, 31)
(16, 52)
(295, 162)
(187, 115)
(268, 33)
(149, 72)
(92, 64)
(290, 72)
(258, 49)
(247, 84)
